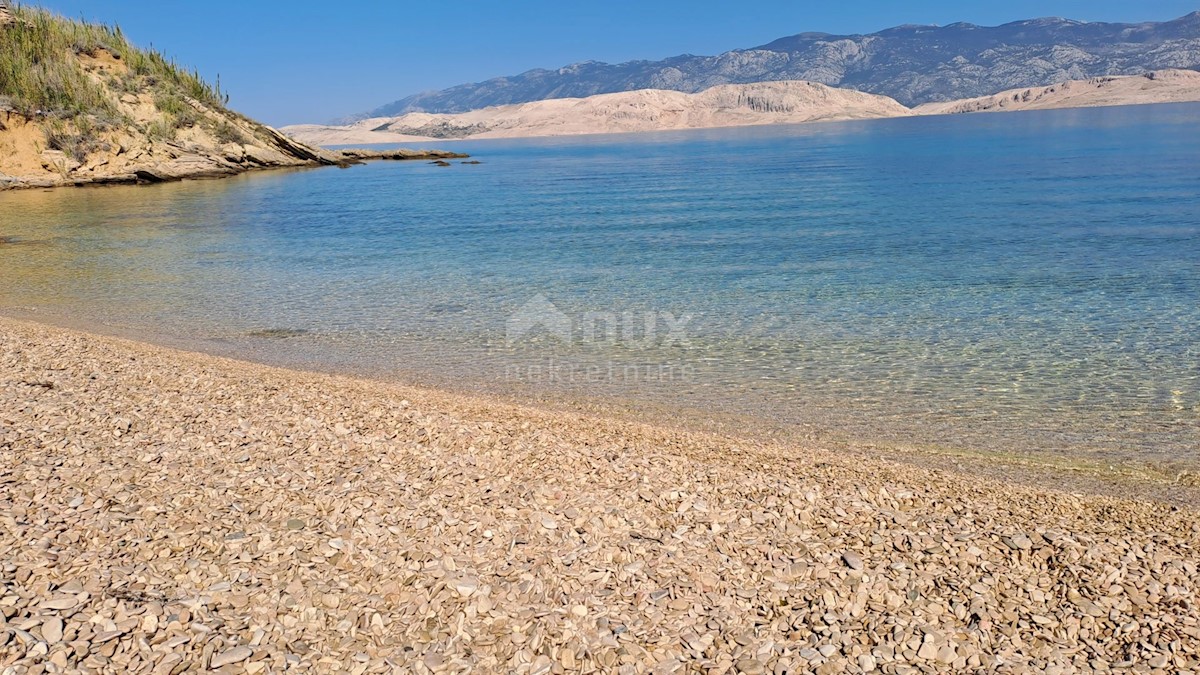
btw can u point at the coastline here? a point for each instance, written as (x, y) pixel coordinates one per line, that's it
(595, 115)
(1074, 472)
(199, 167)
(192, 509)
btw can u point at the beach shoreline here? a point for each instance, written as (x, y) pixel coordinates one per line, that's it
(1065, 471)
(166, 509)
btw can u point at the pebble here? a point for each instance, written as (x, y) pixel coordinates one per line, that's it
(52, 630)
(466, 587)
(231, 656)
(751, 667)
(1019, 542)
(60, 603)
(258, 520)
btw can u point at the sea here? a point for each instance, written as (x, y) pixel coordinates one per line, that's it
(1019, 283)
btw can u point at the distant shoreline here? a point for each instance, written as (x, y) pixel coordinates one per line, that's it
(725, 106)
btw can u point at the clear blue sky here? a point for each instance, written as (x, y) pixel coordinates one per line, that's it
(310, 61)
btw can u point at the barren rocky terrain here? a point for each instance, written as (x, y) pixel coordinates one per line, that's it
(162, 512)
(1162, 86)
(646, 110)
(735, 105)
(913, 64)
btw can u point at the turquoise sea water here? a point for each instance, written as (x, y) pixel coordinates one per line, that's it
(1025, 282)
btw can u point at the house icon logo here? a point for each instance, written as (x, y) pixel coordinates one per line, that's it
(538, 313)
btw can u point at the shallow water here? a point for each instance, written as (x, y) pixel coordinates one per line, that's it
(1020, 282)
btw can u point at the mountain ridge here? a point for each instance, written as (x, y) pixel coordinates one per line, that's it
(913, 64)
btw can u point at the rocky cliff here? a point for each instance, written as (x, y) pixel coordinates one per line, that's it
(912, 64)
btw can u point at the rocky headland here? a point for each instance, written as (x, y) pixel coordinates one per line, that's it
(80, 105)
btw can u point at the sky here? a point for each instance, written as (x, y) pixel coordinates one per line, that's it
(313, 61)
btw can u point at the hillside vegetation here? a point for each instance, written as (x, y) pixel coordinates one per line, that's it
(38, 73)
(44, 72)
(79, 104)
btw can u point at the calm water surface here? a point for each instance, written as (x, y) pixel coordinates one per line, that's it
(1025, 282)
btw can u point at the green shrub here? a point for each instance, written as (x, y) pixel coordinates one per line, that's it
(161, 130)
(75, 139)
(227, 133)
(173, 105)
(40, 74)
(125, 84)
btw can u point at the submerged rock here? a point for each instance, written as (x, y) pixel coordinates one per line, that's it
(278, 333)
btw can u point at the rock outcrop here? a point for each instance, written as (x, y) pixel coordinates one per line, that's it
(645, 110)
(96, 110)
(401, 154)
(123, 155)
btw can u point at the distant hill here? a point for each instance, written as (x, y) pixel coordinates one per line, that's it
(79, 104)
(912, 64)
(643, 110)
(731, 105)
(1160, 86)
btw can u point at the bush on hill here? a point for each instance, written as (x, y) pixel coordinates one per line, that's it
(41, 73)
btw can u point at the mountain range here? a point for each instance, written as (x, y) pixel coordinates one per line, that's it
(912, 64)
(732, 105)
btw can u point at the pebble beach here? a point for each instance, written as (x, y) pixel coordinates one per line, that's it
(164, 512)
